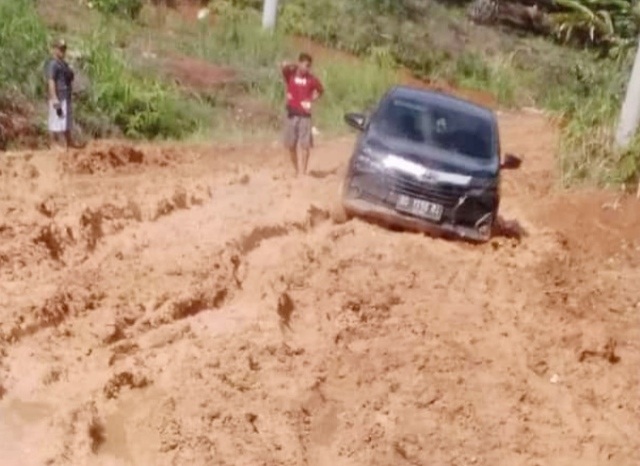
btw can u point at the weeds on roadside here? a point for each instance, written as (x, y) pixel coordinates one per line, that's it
(496, 76)
(587, 98)
(24, 48)
(126, 8)
(141, 107)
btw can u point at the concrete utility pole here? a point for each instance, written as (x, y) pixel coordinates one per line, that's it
(269, 14)
(630, 113)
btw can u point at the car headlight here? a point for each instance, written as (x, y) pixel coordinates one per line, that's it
(369, 158)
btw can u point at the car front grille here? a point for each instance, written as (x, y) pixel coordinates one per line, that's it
(384, 189)
(447, 195)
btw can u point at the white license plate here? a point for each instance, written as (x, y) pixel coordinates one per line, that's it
(419, 208)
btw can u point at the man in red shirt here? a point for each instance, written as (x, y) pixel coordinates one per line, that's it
(303, 88)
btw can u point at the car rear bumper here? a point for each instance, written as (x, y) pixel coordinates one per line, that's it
(368, 209)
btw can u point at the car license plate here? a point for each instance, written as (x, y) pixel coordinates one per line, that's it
(419, 208)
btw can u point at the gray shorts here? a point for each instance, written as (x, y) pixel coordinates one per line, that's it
(298, 131)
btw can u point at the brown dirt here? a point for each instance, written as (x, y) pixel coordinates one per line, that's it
(205, 77)
(198, 74)
(16, 125)
(197, 305)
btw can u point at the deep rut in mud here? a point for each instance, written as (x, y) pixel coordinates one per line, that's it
(201, 306)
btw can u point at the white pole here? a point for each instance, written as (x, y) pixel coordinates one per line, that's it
(269, 14)
(630, 113)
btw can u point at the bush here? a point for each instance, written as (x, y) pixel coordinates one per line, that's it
(141, 107)
(125, 8)
(588, 102)
(24, 48)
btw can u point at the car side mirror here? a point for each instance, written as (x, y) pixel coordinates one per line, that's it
(355, 120)
(511, 162)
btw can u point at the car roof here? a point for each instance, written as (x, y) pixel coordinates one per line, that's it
(440, 98)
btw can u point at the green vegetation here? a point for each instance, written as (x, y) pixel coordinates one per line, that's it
(24, 47)
(140, 106)
(125, 8)
(608, 24)
(121, 95)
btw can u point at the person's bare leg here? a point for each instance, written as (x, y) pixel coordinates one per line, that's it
(67, 139)
(306, 144)
(304, 160)
(293, 156)
(291, 141)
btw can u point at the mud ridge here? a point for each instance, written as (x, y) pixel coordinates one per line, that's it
(101, 158)
(18, 168)
(249, 242)
(55, 239)
(124, 379)
(65, 236)
(192, 306)
(88, 162)
(181, 199)
(64, 303)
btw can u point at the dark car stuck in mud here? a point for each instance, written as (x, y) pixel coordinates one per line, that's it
(427, 161)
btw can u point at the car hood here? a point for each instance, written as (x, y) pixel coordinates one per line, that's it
(435, 158)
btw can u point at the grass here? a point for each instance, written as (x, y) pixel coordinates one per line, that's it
(587, 98)
(24, 47)
(142, 107)
(495, 76)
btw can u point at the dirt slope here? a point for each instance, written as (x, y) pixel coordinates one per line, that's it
(181, 305)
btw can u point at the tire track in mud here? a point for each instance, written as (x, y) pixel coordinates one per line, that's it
(68, 246)
(75, 301)
(189, 307)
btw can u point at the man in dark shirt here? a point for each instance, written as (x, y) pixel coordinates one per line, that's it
(303, 88)
(59, 87)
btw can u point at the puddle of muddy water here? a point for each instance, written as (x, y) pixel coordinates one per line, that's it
(126, 440)
(26, 412)
(24, 427)
(17, 419)
(116, 444)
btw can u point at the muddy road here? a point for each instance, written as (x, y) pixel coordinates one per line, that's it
(175, 305)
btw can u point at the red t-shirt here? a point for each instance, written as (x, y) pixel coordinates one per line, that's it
(300, 90)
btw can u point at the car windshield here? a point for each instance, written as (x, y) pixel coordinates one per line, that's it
(436, 125)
